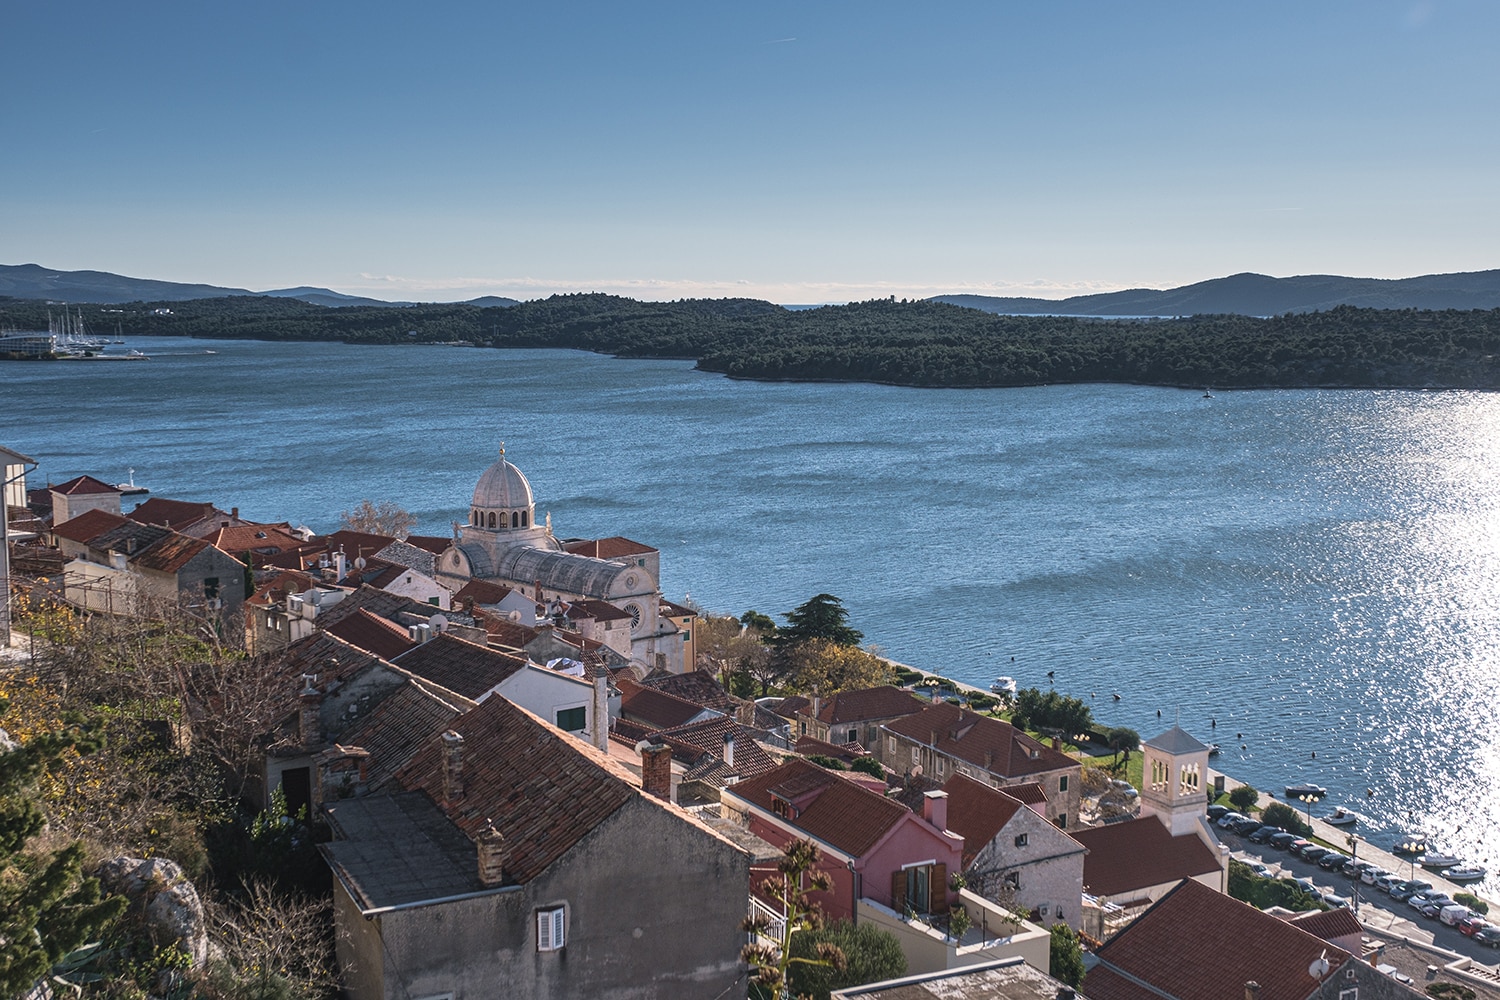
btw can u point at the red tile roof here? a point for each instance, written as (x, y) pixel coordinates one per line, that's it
(809, 746)
(1329, 924)
(483, 592)
(372, 633)
(1029, 792)
(1138, 854)
(599, 611)
(1197, 944)
(459, 665)
(504, 632)
(175, 514)
(436, 544)
(995, 746)
(978, 812)
(699, 687)
(170, 554)
(750, 759)
(655, 708)
(82, 485)
(357, 543)
(274, 588)
(265, 539)
(832, 809)
(676, 610)
(398, 727)
(614, 547)
(87, 526)
(544, 790)
(885, 702)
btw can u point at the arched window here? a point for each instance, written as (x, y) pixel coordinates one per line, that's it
(515, 519)
(474, 518)
(523, 519)
(492, 519)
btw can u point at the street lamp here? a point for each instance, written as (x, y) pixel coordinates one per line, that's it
(1308, 799)
(1353, 842)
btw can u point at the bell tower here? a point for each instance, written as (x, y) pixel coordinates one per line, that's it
(1174, 776)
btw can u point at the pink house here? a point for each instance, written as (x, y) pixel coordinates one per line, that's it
(873, 847)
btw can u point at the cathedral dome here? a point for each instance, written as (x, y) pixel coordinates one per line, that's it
(503, 486)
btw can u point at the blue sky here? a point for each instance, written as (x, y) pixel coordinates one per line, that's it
(796, 152)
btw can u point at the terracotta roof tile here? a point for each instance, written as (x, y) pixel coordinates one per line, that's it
(995, 746)
(81, 486)
(1029, 792)
(1197, 944)
(978, 812)
(377, 601)
(459, 665)
(372, 633)
(614, 547)
(750, 759)
(179, 515)
(810, 746)
(676, 610)
(329, 658)
(831, 808)
(436, 544)
(87, 526)
(398, 727)
(1138, 854)
(699, 687)
(483, 592)
(1329, 924)
(170, 554)
(653, 707)
(884, 702)
(274, 587)
(543, 790)
(263, 539)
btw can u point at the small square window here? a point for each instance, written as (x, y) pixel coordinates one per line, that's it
(571, 720)
(551, 929)
(1062, 821)
(1349, 994)
(1062, 783)
(1021, 840)
(939, 765)
(916, 754)
(891, 743)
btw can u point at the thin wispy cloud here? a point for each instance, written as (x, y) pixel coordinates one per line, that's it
(779, 41)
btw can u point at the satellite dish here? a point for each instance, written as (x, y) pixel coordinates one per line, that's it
(360, 562)
(1320, 966)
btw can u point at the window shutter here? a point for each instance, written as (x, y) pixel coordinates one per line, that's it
(544, 930)
(558, 936)
(937, 889)
(898, 891)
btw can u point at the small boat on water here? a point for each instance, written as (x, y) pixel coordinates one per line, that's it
(1004, 685)
(1342, 817)
(1307, 789)
(1437, 860)
(1465, 873)
(1213, 749)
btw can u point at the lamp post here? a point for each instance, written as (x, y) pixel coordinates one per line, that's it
(1308, 799)
(1353, 842)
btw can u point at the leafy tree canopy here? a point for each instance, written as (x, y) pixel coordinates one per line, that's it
(822, 617)
(871, 954)
(1066, 955)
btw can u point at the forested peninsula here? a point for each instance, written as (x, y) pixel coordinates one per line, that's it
(917, 343)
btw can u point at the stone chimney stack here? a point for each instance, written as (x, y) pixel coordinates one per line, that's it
(601, 709)
(935, 809)
(1252, 990)
(729, 748)
(989, 760)
(468, 605)
(744, 714)
(490, 847)
(342, 772)
(309, 707)
(656, 771)
(453, 767)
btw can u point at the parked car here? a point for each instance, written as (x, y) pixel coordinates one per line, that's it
(1421, 899)
(1406, 890)
(1335, 900)
(1296, 846)
(1306, 885)
(1387, 883)
(1261, 871)
(1354, 868)
(1488, 935)
(1263, 835)
(1247, 825)
(1226, 820)
(1472, 926)
(1282, 840)
(1430, 910)
(1312, 852)
(1373, 874)
(1333, 861)
(1217, 812)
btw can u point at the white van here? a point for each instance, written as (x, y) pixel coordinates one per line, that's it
(1451, 915)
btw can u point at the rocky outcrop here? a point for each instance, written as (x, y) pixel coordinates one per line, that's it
(165, 899)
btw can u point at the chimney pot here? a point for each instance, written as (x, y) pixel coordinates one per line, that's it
(656, 771)
(601, 710)
(234, 512)
(490, 848)
(935, 809)
(453, 766)
(1252, 990)
(729, 748)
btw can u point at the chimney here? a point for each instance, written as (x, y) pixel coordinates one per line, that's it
(234, 513)
(453, 767)
(744, 714)
(342, 772)
(989, 760)
(1252, 990)
(490, 846)
(601, 709)
(339, 564)
(468, 605)
(656, 771)
(933, 741)
(935, 809)
(309, 705)
(817, 705)
(729, 748)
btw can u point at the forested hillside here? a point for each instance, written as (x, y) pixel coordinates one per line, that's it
(906, 343)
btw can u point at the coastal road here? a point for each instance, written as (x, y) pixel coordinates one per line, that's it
(1377, 911)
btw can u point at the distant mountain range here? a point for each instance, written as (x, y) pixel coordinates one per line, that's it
(32, 281)
(1261, 295)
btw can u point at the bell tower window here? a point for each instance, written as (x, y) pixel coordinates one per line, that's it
(523, 519)
(492, 519)
(515, 519)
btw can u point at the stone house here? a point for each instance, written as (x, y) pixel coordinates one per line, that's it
(947, 739)
(1012, 850)
(849, 716)
(514, 858)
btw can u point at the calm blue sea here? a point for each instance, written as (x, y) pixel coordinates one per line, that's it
(1290, 572)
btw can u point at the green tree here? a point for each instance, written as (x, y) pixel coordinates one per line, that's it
(870, 766)
(822, 617)
(871, 954)
(828, 667)
(1282, 815)
(1066, 955)
(47, 907)
(1243, 797)
(1123, 740)
(754, 621)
